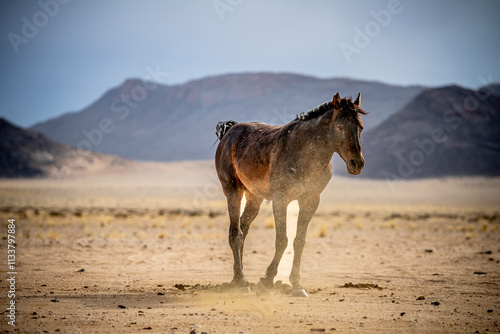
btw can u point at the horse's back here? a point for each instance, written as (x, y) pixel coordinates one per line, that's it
(241, 136)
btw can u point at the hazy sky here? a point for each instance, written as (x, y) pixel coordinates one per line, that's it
(59, 56)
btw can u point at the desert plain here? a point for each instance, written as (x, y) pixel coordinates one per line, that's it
(145, 250)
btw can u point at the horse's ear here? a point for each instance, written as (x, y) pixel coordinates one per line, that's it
(336, 101)
(358, 100)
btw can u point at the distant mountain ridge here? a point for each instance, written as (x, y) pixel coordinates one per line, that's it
(148, 121)
(411, 132)
(26, 153)
(446, 131)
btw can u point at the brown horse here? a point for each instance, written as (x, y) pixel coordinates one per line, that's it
(282, 164)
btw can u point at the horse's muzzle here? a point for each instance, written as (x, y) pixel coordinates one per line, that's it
(355, 165)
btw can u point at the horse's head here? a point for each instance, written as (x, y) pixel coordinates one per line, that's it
(347, 127)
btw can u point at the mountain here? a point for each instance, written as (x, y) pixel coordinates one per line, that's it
(148, 121)
(447, 131)
(26, 153)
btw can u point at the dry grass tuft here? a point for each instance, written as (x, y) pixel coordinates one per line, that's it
(52, 235)
(270, 223)
(323, 230)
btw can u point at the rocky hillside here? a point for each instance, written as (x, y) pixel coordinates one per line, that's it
(146, 121)
(26, 153)
(448, 131)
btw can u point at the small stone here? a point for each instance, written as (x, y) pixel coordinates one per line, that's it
(479, 273)
(81, 270)
(55, 300)
(429, 251)
(421, 298)
(435, 303)
(122, 306)
(403, 313)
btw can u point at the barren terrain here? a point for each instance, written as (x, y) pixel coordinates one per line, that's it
(147, 251)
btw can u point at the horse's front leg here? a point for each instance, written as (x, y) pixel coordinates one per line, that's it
(308, 206)
(279, 211)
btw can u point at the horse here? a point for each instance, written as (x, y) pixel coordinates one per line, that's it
(283, 164)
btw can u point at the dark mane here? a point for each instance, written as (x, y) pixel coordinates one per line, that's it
(347, 109)
(316, 112)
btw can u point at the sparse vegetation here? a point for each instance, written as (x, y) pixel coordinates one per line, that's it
(270, 223)
(322, 233)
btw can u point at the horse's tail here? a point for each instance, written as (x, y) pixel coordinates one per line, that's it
(222, 128)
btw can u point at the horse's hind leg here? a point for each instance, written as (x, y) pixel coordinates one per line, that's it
(235, 234)
(251, 210)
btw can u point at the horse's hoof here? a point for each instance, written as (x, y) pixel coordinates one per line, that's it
(265, 284)
(236, 283)
(299, 293)
(262, 288)
(244, 289)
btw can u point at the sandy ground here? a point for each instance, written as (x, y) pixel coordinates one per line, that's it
(148, 252)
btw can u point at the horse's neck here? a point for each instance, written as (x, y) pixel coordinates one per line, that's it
(320, 134)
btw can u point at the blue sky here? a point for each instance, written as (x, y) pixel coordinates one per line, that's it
(59, 56)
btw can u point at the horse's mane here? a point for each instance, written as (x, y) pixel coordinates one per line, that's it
(316, 112)
(346, 106)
